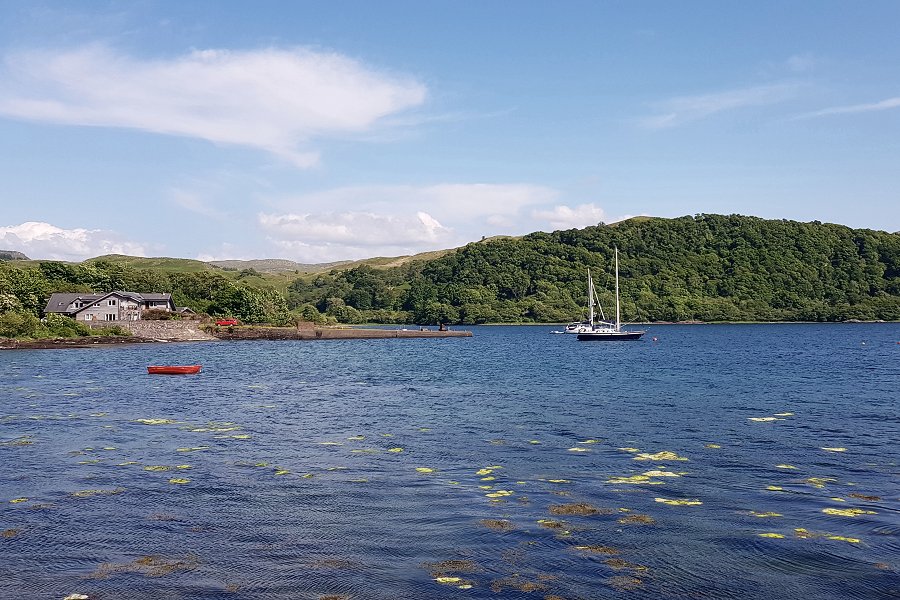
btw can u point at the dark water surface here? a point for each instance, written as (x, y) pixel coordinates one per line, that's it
(292, 490)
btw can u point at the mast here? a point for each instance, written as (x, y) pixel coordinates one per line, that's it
(617, 289)
(591, 297)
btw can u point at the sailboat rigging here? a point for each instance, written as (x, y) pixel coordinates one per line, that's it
(602, 330)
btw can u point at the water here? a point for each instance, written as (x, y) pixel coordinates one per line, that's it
(292, 491)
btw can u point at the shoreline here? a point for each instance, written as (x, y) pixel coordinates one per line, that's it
(353, 332)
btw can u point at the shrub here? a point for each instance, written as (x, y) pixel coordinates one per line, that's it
(20, 324)
(62, 326)
(157, 314)
(115, 330)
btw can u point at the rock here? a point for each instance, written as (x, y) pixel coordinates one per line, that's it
(77, 597)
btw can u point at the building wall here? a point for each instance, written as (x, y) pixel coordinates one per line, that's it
(114, 308)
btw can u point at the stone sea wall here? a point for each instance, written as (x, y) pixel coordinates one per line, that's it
(160, 330)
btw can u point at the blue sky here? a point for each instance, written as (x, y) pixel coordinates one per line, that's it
(341, 130)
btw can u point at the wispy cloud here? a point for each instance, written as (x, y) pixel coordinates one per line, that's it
(684, 109)
(855, 108)
(388, 220)
(41, 240)
(335, 236)
(447, 201)
(272, 99)
(567, 217)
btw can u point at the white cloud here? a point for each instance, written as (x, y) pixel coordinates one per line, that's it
(856, 108)
(272, 99)
(40, 240)
(447, 201)
(566, 217)
(684, 109)
(390, 220)
(336, 236)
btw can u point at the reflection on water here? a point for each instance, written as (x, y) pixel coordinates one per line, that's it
(755, 461)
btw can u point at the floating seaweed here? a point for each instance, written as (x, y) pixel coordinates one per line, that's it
(551, 523)
(497, 524)
(624, 583)
(517, 582)
(581, 508)
(618, 563)
(864, 497)
(683, 502)
(92, 493)
(597, 549)
(662, 456)
(151, 421)
(847, 512)
(637, 520)
(819, 482)
(149, 566)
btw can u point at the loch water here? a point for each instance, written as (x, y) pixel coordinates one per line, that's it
(506, 465)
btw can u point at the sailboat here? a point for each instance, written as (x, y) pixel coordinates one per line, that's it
(603, 330)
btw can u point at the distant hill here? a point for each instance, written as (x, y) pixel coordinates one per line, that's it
(701, 267)
(276, 265)
(184, 265)
(12, 255)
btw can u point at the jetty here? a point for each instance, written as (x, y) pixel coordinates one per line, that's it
(308, 331)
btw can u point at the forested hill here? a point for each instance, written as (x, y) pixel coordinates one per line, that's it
(708, 267)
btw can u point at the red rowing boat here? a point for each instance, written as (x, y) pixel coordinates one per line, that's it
(174, 370)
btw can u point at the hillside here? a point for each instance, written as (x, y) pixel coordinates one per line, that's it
(703, 267)
(276, 265)
(173, 265)
(12, 255)
(708, 267)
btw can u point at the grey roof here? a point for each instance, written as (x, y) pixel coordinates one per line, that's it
(153, 296)
(60, 301)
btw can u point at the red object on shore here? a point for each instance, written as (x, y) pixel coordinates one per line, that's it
(227, 322)
(174, 370)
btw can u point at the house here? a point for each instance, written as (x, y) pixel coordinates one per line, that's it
(111, 306)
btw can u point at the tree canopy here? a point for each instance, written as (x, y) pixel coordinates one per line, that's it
(703, 267)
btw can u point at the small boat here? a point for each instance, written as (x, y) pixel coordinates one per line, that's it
(174, 369)
(604, 330)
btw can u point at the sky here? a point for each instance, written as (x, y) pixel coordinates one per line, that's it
(324, 131)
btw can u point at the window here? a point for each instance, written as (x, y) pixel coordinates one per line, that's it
(110, 317)
(112, 302)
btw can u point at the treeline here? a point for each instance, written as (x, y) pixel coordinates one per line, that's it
(707, 267)
(24, 293)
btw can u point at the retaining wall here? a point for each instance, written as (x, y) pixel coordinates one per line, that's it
(159, 330)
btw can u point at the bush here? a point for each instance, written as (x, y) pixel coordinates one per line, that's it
(157, 314)
(20, 324)
(62, 326)
(115, 330)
